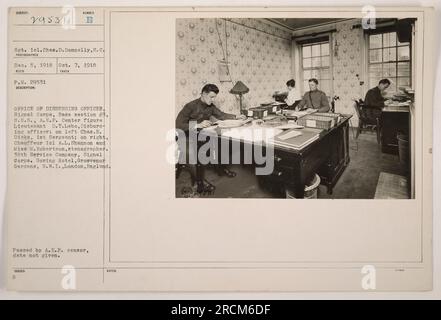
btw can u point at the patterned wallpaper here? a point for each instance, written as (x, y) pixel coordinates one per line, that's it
(346, 65)
(259, 55)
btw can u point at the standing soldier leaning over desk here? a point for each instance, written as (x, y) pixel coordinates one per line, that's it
(314, 99)
(204, 112)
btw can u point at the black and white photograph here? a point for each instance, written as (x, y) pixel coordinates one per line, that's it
(179, 150)
(316, 108)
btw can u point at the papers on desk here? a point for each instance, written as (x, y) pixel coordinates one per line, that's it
(289, 125)
(252, 133)
(394, 106)
(299, 114)
(210, 129)
(230, 123)
(295, 139)
(289, 134)
(399, 104)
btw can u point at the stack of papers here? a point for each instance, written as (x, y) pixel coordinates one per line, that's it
(299, 114)
(289, 134)
(252, 133)
(288, 126)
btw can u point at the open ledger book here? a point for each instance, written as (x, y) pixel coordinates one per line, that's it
(93, 94)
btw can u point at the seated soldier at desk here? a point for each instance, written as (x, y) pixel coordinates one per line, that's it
(314, 99)
(204, 113)
(374, 97)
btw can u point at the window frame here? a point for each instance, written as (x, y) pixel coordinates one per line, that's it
(382, 62)
(329, 68)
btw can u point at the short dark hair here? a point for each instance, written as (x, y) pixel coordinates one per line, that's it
(209, 87)
(313, 80)
(291, 83)
(384, 81)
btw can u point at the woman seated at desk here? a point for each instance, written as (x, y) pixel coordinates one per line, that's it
(293, 94)
(314, 99)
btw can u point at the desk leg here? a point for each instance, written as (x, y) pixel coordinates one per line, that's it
(299, 189)
(329, 189)
(200, 172)
(296, 180)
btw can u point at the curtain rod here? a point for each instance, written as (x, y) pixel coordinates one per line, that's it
(380, 24)
(253, 28)
(314, 34)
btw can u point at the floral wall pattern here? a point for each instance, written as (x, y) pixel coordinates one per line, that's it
(347, 64)
(259, 55)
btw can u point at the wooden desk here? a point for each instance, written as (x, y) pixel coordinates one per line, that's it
(328, 156)
(394, 119)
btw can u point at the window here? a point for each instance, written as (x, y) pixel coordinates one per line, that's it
(316, 63)
(389, 58)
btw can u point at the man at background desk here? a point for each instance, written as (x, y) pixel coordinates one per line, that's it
(374, 97)
(204, 113)
(314, 99)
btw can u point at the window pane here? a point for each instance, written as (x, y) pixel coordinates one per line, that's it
(307, 75)
(375, 41)
(307, 63)
(404, 69)
(315, 73)
(316, 50)
(306, 51)
(325, 49)
(316, 62)
(386, 40)
(305, 86)
(375, 71)
(325, 86)
(389, 70)
(403, 82)
(325, 61)
(393, 86)
(389, 54)
(393, 39)
(403, 53)
(375, 55)
(389, 39)
(373, 82)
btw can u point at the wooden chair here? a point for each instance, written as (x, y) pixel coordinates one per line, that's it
(368, 118)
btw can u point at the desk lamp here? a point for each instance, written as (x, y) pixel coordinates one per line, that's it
(240, 89)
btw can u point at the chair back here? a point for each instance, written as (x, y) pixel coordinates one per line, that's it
(358, 106)
(368, 115)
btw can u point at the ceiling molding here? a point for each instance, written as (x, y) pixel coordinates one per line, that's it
(309, 27)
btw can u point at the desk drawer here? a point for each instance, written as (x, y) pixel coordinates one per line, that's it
(283, 158)
(282, 173)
